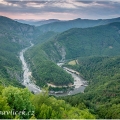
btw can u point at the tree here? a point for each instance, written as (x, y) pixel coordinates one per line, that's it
(4, 108)
(19, 101)
(50, 108)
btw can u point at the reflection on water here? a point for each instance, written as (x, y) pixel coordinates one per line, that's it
(72, 92)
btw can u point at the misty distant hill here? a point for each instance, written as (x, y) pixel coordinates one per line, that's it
(36, 22)
(61, 26)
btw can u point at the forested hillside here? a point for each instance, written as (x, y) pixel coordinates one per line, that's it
(44, 70)
(102, 96)
(101, 40)
(14, 27)
(14, 36)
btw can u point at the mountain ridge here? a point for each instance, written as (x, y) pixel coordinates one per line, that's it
(37, 22)
(76, 23)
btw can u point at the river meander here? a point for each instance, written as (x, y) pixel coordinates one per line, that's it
(27, 75)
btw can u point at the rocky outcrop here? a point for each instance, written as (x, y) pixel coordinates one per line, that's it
(61, 51)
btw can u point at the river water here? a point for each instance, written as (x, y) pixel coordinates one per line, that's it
(27, 74)
(79, 83)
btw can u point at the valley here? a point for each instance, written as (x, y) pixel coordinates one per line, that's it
(29, 83)
(78, 85)
(63, 69)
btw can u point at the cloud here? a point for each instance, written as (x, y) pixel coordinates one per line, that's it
(56, 8)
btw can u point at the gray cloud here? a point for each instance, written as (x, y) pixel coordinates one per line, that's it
(77, 8)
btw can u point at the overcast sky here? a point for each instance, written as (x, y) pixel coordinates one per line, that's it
(60, 9)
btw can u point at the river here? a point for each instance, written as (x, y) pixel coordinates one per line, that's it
(27, 74)
(78, 81)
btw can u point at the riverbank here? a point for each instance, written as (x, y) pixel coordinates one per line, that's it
(27, 82)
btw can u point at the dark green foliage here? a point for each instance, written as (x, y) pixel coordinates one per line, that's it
(22, 30)
(102, 96)
(52, 51)
(10, 66)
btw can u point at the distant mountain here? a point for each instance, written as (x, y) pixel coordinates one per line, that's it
(61, 26)
(39, 23)
(107, 21)
(36, 22)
